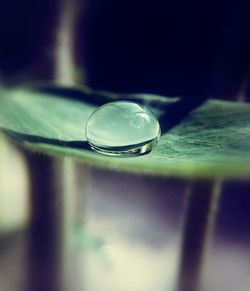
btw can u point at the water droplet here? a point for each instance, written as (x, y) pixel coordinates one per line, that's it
(122, 128)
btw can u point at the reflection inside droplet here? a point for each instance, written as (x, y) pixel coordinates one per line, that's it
(122, 128)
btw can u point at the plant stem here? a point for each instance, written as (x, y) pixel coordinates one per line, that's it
(44, 242)
(200, 212)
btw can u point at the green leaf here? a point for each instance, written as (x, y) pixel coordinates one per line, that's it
(200, 139)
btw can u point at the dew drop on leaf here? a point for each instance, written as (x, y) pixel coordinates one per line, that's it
(122, 128)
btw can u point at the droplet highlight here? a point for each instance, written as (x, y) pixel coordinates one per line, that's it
(122, 128)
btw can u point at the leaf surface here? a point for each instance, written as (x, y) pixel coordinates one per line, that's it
(199, 139)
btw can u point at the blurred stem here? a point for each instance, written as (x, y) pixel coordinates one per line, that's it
(68, 185)
(65, 68)
(201, 205)
(44, 241)
(74, 180)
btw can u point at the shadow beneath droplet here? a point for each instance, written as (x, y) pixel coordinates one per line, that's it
(175, 113)
(23, 137)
